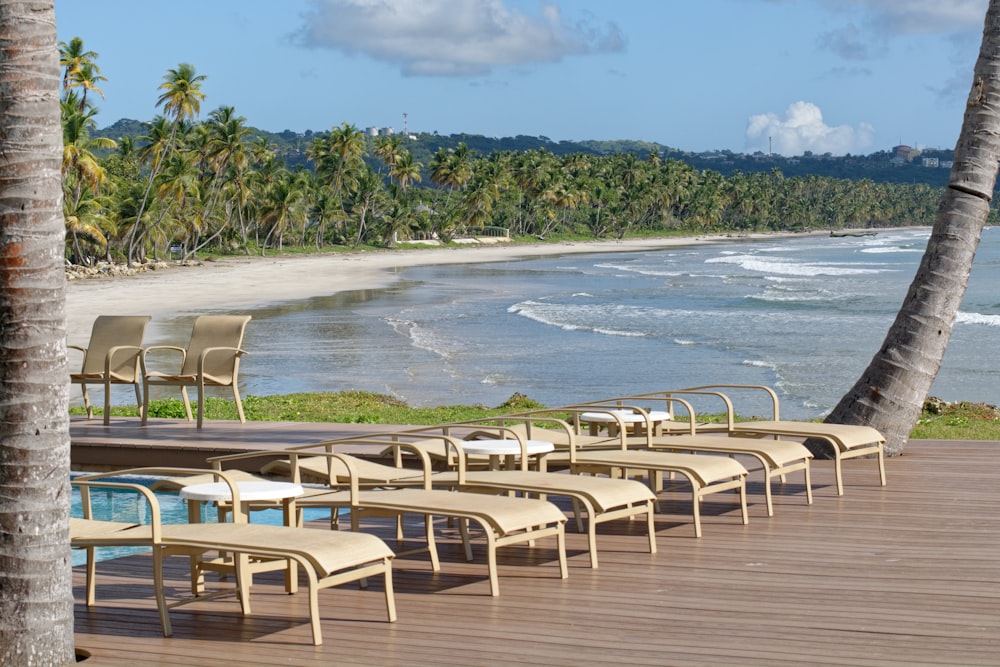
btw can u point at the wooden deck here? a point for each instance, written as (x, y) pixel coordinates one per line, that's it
(907, 574)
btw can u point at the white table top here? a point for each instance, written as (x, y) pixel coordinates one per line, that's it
(249, 491)
(506, 447)
(627, 416)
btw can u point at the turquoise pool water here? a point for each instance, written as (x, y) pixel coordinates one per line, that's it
(123, 505)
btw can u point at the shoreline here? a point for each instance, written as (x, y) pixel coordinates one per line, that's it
(231, 283)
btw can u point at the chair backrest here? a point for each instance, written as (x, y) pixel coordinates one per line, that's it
(111, 331)
(215, 331)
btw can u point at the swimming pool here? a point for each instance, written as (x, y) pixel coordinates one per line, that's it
(128, 506)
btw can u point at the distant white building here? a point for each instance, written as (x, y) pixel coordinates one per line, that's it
(930, 162)
(386, 132)
(371, 131)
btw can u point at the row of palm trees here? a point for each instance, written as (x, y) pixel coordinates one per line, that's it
(191, 186)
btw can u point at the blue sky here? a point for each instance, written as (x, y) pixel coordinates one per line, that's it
(839, 76)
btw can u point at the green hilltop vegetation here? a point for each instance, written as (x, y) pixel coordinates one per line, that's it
(881, 166)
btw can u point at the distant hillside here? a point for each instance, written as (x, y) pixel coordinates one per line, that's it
(879, 166)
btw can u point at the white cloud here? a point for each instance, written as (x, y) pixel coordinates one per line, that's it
(920, 16)
(872, 24)
(452, 37)
(803, 129)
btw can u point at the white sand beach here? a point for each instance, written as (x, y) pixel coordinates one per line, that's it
(255, 281)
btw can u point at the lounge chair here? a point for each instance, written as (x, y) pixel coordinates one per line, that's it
(600, 499)
(504, 520)
(845, 441)
(111, 357)
(612, 456)
(211, 359)
(775, 458)
(327, 559)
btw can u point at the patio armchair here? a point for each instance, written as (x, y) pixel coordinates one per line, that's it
(111, 357)
(211, 359)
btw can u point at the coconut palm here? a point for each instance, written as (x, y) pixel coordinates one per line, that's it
(405, 170)
(80, 166)
(36, 588)
(181, 100)
(890, 393)
(72, 58)
(388, 149)
(86, 77)
(367, 198)
(282, 208)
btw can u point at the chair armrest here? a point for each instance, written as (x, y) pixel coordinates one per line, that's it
(85, 485)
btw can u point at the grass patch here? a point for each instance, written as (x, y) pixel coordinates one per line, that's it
(939, 420)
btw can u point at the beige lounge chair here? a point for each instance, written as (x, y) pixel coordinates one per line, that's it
(775, 458)
(326, 558)
(111, 357)
(846, 441)
(211, 359)
(599, 499)
(503, 520)
(612, 456)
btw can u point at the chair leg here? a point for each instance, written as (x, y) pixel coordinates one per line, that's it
(144, 413)
(107, 403)
(239, 403)
(187, 403)
(491, 562)
(91, 576)
(317, 634)
(201, 403)
(138, 398)
(390, 598)
(161, 599)
(432, 550)
(86, 402)
(651, 526)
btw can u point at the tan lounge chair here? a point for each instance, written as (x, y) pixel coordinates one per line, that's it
(111, 357)
(211, 359)
(600, 499)
(775, 458)
(326, 558)
(503, 520)
(846, 441)
(611, 455)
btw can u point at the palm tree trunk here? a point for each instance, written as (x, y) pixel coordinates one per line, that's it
(36, 593)
(890, 393)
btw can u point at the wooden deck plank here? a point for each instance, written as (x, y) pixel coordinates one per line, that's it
(905, 574)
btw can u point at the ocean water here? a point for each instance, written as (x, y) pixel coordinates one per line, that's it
(802, 314)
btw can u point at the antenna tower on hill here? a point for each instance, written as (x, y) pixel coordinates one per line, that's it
(405, 132)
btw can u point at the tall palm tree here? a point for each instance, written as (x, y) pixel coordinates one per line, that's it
(282, 207)
(388, 149)
(79, 164)
(405, 170)
(890, 393)
(36, 588)
(181, 100)
(343, 159)
(72, 58)
(86, 77)
(157, 146)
